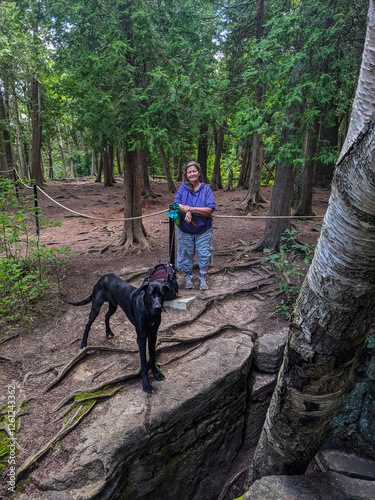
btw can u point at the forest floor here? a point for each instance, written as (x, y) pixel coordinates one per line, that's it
(33, 355)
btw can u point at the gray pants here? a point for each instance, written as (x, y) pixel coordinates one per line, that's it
(187, 244)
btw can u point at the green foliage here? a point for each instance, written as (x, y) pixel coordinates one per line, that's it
(290, 266)
(24, 262)
(370, 342)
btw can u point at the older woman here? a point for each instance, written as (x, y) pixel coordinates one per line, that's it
(194, 233)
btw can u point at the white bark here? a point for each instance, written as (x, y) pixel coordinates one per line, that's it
(336, 306)
(364, 101)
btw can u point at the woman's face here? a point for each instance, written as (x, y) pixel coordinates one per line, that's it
(192, 174)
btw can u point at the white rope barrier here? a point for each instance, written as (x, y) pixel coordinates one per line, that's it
(244, 217)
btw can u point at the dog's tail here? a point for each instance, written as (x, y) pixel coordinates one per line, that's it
(81, 302)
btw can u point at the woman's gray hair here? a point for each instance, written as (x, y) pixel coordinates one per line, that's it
(198, 167)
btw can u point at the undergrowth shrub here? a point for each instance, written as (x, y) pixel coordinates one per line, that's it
(290, 266)
(27, 267)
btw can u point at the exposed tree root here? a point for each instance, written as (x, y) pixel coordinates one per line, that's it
(99, 372)
(76, 359)
(94, 397)
(66, 428)
(2, 341)
(217, 298)
(169, 337)
(250, 263)
(4, 359)
(98, 388)
(52, 368)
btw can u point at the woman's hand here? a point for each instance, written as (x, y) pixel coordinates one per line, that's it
(184, 208)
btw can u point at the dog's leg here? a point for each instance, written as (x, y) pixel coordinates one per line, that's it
(141, 341)
(151, 349)
(111, 310)
(95, 308)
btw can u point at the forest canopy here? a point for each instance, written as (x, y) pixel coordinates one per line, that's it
(190, 78)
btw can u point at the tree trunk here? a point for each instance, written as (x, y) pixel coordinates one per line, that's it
(180, 169)
(93, 163)
(107, 169)
(111, 157)
(305, 204)
(50, 162)
(254, 195)
(280, 205)
(20, 147)
(6, 162)
(73, 173)
(328, 139)
(118, 158)
(61, 147)
(146, 190)
(216, 174)
(244, 163)
(134, 231)
(98, 177)
(36, 164)
(335, 308)
(167, 171)
(203, 150)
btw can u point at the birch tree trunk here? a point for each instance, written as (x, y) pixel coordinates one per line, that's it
(336, 306)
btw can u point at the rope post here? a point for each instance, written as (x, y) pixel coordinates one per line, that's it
(172, 251)
(36, 210)
(15, 183)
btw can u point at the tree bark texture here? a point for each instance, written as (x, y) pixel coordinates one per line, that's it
(20, 146)
(244, 163)
(118, 159)
(134, 231)
(6, 163)
(146, 190)
(336, 305)
(365, 94)
(36, 166)
(107, 168)
(305, 203)
(334, 311)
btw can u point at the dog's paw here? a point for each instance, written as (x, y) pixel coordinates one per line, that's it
(109, 335)
(83, 346)
(147, 388)
(159, 376)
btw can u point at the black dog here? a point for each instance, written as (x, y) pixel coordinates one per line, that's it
(142, 306)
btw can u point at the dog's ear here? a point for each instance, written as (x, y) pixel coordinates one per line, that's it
(144, 286)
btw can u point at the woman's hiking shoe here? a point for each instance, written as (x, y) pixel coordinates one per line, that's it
(189, 282)
(203, 283)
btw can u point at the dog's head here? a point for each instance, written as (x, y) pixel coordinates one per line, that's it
(154, 294)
